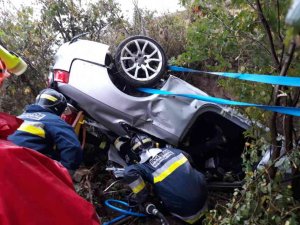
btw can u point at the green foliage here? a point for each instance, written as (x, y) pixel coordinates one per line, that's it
(261, 200)
(20, 33)
(169, 31)
(228, 36)
(72, 17)
(235, 35)
(35, 37)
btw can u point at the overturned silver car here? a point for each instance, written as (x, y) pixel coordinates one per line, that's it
(104, 87)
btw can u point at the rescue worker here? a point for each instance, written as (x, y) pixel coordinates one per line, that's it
(27, 177)
(44, 131)
(180, 187)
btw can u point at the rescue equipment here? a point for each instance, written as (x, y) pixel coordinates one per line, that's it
(150, 209)
(14, 64)
(280, 109)
(124, 212)
(261, 78)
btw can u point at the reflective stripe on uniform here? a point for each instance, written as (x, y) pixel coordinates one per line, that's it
(137, 185)
(49, 97)
(168, 168)
(192, 219)
(32, 129)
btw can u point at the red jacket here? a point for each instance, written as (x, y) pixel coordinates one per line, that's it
(36, 189)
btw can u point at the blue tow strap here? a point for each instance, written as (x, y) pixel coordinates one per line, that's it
(267, 79)
(284, 110)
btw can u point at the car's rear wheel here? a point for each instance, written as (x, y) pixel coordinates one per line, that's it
(140, 61)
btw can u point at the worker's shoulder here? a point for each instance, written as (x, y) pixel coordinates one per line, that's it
(37, 113)
(38, 116)
(32, 116)
(171, 152)
(54, 120)
(131, 168)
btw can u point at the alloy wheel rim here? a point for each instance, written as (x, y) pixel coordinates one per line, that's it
(141, 60)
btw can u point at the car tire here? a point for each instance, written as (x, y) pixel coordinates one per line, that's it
(140, 61)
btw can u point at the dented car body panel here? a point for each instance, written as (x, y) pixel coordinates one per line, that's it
(165, 117)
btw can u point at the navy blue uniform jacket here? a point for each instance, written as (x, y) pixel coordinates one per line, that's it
(47, 133)
(181, 188)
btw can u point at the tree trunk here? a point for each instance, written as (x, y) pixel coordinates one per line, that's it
(287, 121)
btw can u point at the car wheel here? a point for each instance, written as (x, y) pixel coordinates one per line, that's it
(140, 61)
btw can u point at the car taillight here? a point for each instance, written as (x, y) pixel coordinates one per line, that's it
(61, 76)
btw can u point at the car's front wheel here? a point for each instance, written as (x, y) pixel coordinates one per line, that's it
(140, 61)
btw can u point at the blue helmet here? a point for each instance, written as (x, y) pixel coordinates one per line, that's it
(52, 100)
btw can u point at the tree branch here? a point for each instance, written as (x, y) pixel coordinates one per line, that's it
(279, 32)
(60, 26)
(245, 35)
(278, 21)
(251, 5)
(72, 25)
(268, 30)
(273, 126)
(295, 98)
(120, 19)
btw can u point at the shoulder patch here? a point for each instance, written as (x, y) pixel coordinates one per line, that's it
(33, 116)
(156, 160)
